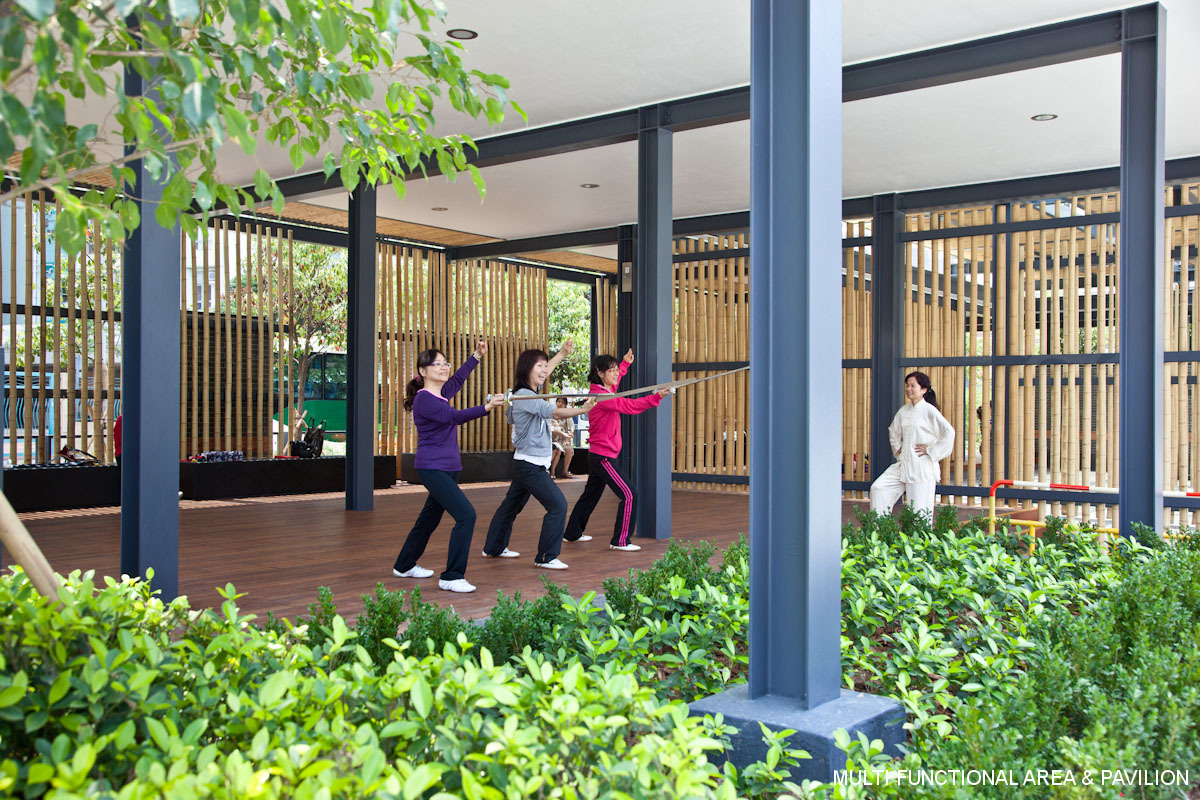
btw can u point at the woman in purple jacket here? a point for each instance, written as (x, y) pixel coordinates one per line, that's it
(438, 463)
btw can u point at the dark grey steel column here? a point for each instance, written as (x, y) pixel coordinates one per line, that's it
(1143, 71)
(887, 325)
(360, 352)
(653, 348)
(626, 247)
(795, 349)
(150, 334)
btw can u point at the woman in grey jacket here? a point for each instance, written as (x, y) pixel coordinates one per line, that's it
(531, 462)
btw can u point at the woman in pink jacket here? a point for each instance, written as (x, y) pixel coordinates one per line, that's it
(604, 443)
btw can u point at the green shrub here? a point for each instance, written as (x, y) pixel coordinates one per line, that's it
(687, 560)
(113, 690)
(1118, 685)
(515, 624)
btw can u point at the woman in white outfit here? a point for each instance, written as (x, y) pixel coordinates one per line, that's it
(920, 437)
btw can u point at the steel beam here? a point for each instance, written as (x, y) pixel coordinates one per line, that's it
(653, 299)
(150, 387)
(536, 244)
(887, 326)
(360, 352)
(1140, 366)
(1035, 47)
(994, 55)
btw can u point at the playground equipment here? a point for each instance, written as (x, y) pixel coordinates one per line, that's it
(1033, 525)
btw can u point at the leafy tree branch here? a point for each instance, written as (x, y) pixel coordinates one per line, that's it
(353, 87)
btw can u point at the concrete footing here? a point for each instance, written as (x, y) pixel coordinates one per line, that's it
(854, 712)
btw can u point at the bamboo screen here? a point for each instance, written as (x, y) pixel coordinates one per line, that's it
(236, 353)
(606, 315)
(1182, 342)
(712, 329)
(856, 353)
(424, 301)
(63, 338)
(948, 286)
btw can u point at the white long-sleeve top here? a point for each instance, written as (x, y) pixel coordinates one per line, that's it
(914, 424)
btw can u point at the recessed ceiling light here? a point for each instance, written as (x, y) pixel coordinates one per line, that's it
(1043, 117)
(461, 33)
(439, 208)
(589, 186)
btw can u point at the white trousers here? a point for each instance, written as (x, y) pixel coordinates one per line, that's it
(888, 487)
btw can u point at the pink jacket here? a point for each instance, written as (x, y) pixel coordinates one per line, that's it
(604, 421)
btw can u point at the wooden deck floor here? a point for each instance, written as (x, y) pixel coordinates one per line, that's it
(278, 550)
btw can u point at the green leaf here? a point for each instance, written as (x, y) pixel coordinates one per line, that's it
(85, 135)
(275, 687)
(262, 183)
(39, 773)
(422, 697)
(204, 197)
(238, 126)
(424, 776)
(158, 732)
(199, 104)
(38, 9)
(403, 728)
(59, 688)
(194, 731)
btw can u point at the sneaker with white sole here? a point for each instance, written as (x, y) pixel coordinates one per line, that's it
(506, 554)
(553, 563)
(416, 571)
(629, 548)
(583, 538)
(458, 585)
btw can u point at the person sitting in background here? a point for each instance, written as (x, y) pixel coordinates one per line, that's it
(562, 435)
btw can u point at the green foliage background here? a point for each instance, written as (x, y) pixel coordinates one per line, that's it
(569, 307)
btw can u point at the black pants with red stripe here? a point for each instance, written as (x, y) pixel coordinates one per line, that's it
(602, 471)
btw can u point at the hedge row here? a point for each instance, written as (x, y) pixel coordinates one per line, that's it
(113, 693)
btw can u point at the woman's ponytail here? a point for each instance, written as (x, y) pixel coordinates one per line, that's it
(424, 359)
(922, 380)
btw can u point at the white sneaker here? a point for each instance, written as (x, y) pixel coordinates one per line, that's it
(506, 554)
(552, 564)
(629, 548)
(583, 538)
(417, 571)
(459, 585)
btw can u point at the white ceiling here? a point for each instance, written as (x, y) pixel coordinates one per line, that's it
(569, 59)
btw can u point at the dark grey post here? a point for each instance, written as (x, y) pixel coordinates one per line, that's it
(795, 350)
(626, 245)
(653, 347)
(887, 334)
(360, 352)
(1140, 364)
(795, 390)
(150, 336)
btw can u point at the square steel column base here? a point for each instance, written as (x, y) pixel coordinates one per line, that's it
(877, 717)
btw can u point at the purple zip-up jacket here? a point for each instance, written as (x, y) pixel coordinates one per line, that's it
(437, 423)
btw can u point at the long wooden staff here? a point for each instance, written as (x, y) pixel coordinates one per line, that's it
(509, 397)
(25, 551)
